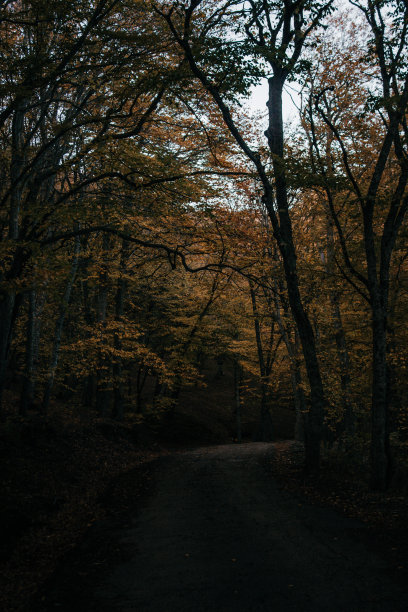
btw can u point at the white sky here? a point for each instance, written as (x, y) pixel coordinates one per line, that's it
(259, 97)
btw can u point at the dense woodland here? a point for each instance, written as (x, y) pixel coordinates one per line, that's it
(153, 229)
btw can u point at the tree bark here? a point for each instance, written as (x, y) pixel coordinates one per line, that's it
(292, 348)
(284, 237)
(8, 305)
(102, 393)
(339, 333)
(238, 400)
(381, 464)
(27, 393)
(119, 393)
(264, 432)
(299, 401)
(59, 327)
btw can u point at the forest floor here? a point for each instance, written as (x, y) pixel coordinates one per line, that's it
(54, 473)
(70, 491)
(226, 528)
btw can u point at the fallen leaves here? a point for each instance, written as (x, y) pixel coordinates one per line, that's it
(68, 463)
(384, 516)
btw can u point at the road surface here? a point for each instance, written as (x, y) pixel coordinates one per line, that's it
(217, 534)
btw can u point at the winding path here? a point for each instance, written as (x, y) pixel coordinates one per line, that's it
(217, 534)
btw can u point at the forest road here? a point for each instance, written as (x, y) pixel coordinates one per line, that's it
(216, 533)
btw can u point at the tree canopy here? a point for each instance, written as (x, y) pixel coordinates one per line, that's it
(152, 242)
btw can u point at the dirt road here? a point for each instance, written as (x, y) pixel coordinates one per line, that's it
(217, 534)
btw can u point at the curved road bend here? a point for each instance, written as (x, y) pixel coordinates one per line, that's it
(218, 535)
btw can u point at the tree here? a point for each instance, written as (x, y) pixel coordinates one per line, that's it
(69, 109)
(375, 171)
(276, 34)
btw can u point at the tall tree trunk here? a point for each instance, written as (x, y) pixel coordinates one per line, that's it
(36, 304)
(344, 360)
(378, 285)
(339, 333)
(299, 394)
(89, 389)
(102, 394)
(381, 465)
(238, 400)
(140, 383)
(7, 317)
(284, 237)
(59, 327)
(119, 393)
(27, 393)
(264, 431)
(299, 401)
(8, 306)
(293, 348)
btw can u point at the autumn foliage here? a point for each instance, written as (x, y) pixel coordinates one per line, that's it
(152, 239)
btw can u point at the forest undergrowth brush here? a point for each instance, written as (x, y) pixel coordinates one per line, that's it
(54, 473)
(342, 484)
